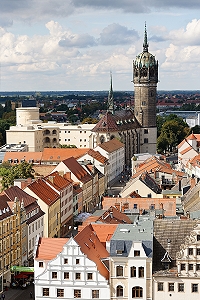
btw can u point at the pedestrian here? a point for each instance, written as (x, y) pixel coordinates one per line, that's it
(31, 295)
(3, 296)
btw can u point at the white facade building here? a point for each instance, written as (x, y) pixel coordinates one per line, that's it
(69, 268)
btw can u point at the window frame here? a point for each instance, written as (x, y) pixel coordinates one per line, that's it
(170, 286)
(119, 291)
(60, 293)
(181, 287)
(119, 271)
(95, 294)
(194, 288)
(77, 293)
(160, 286)
(45, 292)
(54, 275)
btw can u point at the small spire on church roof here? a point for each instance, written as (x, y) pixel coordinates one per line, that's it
(145, 44)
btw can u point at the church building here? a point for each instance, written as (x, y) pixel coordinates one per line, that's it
(135, 127)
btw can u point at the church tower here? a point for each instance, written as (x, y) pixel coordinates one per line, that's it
(145, 79)
(110, 103)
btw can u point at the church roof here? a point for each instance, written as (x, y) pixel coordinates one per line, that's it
(119, 121)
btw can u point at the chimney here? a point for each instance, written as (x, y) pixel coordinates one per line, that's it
(179, 185)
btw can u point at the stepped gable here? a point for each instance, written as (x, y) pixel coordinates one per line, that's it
(92, 247)
(168, 237)
(119, 121)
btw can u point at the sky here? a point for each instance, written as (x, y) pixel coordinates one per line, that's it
(55, 45)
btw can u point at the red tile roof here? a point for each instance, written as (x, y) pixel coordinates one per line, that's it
(27, 156)
(44, 191)
(60, 154)
(111, 145)
(15, 191)
(114, 216)
(57, 181)
(93, 248)
(49, 248)
(75, 168)
(98, 156)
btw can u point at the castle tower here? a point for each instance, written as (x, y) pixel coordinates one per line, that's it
(145, 79)
(110, 103)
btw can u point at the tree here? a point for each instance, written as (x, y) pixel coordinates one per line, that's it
(67, 146)
(172, 133)
(89, 120)
(23, 170)
(195, 129)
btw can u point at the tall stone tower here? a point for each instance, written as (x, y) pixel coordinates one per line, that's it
(145, 79)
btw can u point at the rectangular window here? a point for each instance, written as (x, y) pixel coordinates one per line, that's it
(77, 293)
(198, 237)
(145, 131)
(136, 253)
(190, 267)
(171, 287)
(135, 206)
(160, 286)
(77, 261)
(78, 275)
(194, 287)
(66, 275)
(198, 267)
(182, 267)
(60, 292)
(89, 276)
(54, 275)
(40, 264)
(190, 251)
(146, 140)
(141, 272)
(65, 260)
(45, 292)
(95, 294)
(180, 287)
(198, 251)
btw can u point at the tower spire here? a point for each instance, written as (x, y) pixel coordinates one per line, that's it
(110, 106)
(145, 44)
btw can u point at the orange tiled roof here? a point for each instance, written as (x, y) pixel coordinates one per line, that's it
(27, 156)
(58, 181)
(81, 174)
(97, 155)
(93, 248)
(191, 137)
(44, 191)
(60, 154)
(111, 145)
(49, 248)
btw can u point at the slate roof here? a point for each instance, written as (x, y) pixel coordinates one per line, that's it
(119, 121)
(168, 236)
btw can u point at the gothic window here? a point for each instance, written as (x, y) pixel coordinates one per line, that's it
(137, 292)
(119, 291)
(54, 131)
(143, 103)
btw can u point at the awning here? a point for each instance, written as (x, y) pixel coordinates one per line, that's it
(22, 269)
